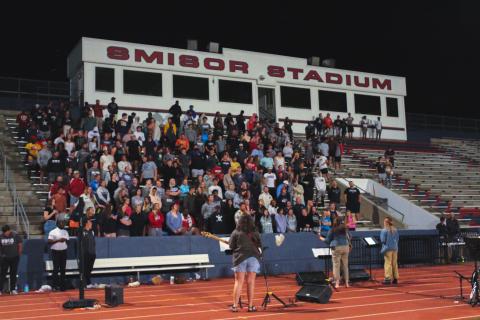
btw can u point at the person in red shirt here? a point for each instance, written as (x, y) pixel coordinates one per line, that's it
(155, 221)
(98, 113)
(23, 121)
(188, 224)
(328, 124)
(77, 187)
(252, 122)
(60, 199)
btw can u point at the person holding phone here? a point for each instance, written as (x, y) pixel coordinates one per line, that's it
(57, 239)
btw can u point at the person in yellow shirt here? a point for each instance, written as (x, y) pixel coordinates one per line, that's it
(33, 147)
(234, 164)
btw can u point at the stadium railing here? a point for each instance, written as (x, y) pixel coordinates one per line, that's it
(21, 219)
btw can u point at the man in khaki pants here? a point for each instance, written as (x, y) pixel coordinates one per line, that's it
(389, 238)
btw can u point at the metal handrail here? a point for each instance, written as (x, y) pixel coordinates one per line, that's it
(368, 193)
(19, 213)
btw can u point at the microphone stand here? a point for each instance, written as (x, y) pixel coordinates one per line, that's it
(268, 296)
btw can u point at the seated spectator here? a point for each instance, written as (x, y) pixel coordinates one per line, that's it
(281, 221)
(267, 222)
(174, 220)
(305, 221)
(188, 224)
(155, 221)
(139, 221)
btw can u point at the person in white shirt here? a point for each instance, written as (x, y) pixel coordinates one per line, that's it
(270, 179)
(57, 239)
(279, 160)
(140, 135)
(371, 129)
(378, 128)
(106, 160)
(321, 186)
(215, 186)
(288, 151)
(266, 197)
(123, 164)
(322, 163)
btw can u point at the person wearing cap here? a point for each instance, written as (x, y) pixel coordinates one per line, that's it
(10, 252)
(174, 220)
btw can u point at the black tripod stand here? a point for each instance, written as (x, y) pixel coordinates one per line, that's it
(269, 295)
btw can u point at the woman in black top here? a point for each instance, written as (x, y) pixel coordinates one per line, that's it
(244, 243)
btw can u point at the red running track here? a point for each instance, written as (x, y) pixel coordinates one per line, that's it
(423, 293)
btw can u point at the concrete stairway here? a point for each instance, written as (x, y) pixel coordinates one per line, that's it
(32, 195)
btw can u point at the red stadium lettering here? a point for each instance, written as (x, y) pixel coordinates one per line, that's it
(154, 56)
(238, 66)
(295, 72)
(214, 64)
(385, 84)
(348, 80)
(313, 75)
(334, 78)
(188, 61)
(365, 84)
(171, 59)
(276, 71)
(118, 53)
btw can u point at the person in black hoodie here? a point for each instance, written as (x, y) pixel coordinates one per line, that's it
(219, 223)
(304, 221)
(241, 122)
(176, 111)
(443, 235)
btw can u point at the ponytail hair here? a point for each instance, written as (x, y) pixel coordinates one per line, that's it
(389, 225)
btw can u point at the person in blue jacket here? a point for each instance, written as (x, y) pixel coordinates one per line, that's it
(389, 238)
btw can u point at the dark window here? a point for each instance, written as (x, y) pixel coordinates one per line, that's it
(392, 107)
(190, 87)
(144, 83)
(332, 101)
(292, 97)
(235, 91)
(367, 104)
(104, 79)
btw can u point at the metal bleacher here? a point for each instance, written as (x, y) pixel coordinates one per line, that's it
(436, 180)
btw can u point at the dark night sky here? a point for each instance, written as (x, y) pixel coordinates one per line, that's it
(433, 44)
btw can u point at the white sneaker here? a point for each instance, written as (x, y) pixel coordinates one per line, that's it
(91, 286)
(14, 292)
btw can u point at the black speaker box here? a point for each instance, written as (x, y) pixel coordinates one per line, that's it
(314, 293)
(358, 275)
(311, 277)
(113, 295)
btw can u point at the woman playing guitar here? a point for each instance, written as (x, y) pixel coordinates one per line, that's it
(244, 243)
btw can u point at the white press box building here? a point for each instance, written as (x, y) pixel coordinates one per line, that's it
(146, 78)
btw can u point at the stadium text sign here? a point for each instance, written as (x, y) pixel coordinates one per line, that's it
(237, 66)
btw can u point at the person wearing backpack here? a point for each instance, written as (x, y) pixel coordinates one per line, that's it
(389, 238)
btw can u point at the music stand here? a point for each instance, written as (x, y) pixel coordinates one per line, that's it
(370, 243)
(323, 254)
